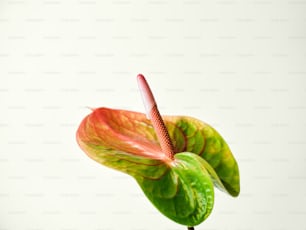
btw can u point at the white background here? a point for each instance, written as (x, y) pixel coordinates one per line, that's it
(238, 65)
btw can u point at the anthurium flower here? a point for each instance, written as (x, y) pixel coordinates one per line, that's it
(181, 185)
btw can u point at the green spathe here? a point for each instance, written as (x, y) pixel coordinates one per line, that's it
(180, 188)
(184, 193)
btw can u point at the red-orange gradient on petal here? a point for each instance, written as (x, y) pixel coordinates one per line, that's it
(126, 131)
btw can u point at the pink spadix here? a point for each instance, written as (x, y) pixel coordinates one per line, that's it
(155, 117)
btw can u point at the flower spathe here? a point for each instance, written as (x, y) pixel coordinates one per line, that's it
(181, 188)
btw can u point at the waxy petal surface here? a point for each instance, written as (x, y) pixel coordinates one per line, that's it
(180, 188)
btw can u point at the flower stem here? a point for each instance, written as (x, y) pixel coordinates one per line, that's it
(155, 117)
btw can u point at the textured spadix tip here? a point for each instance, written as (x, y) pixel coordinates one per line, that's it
(146, 94)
